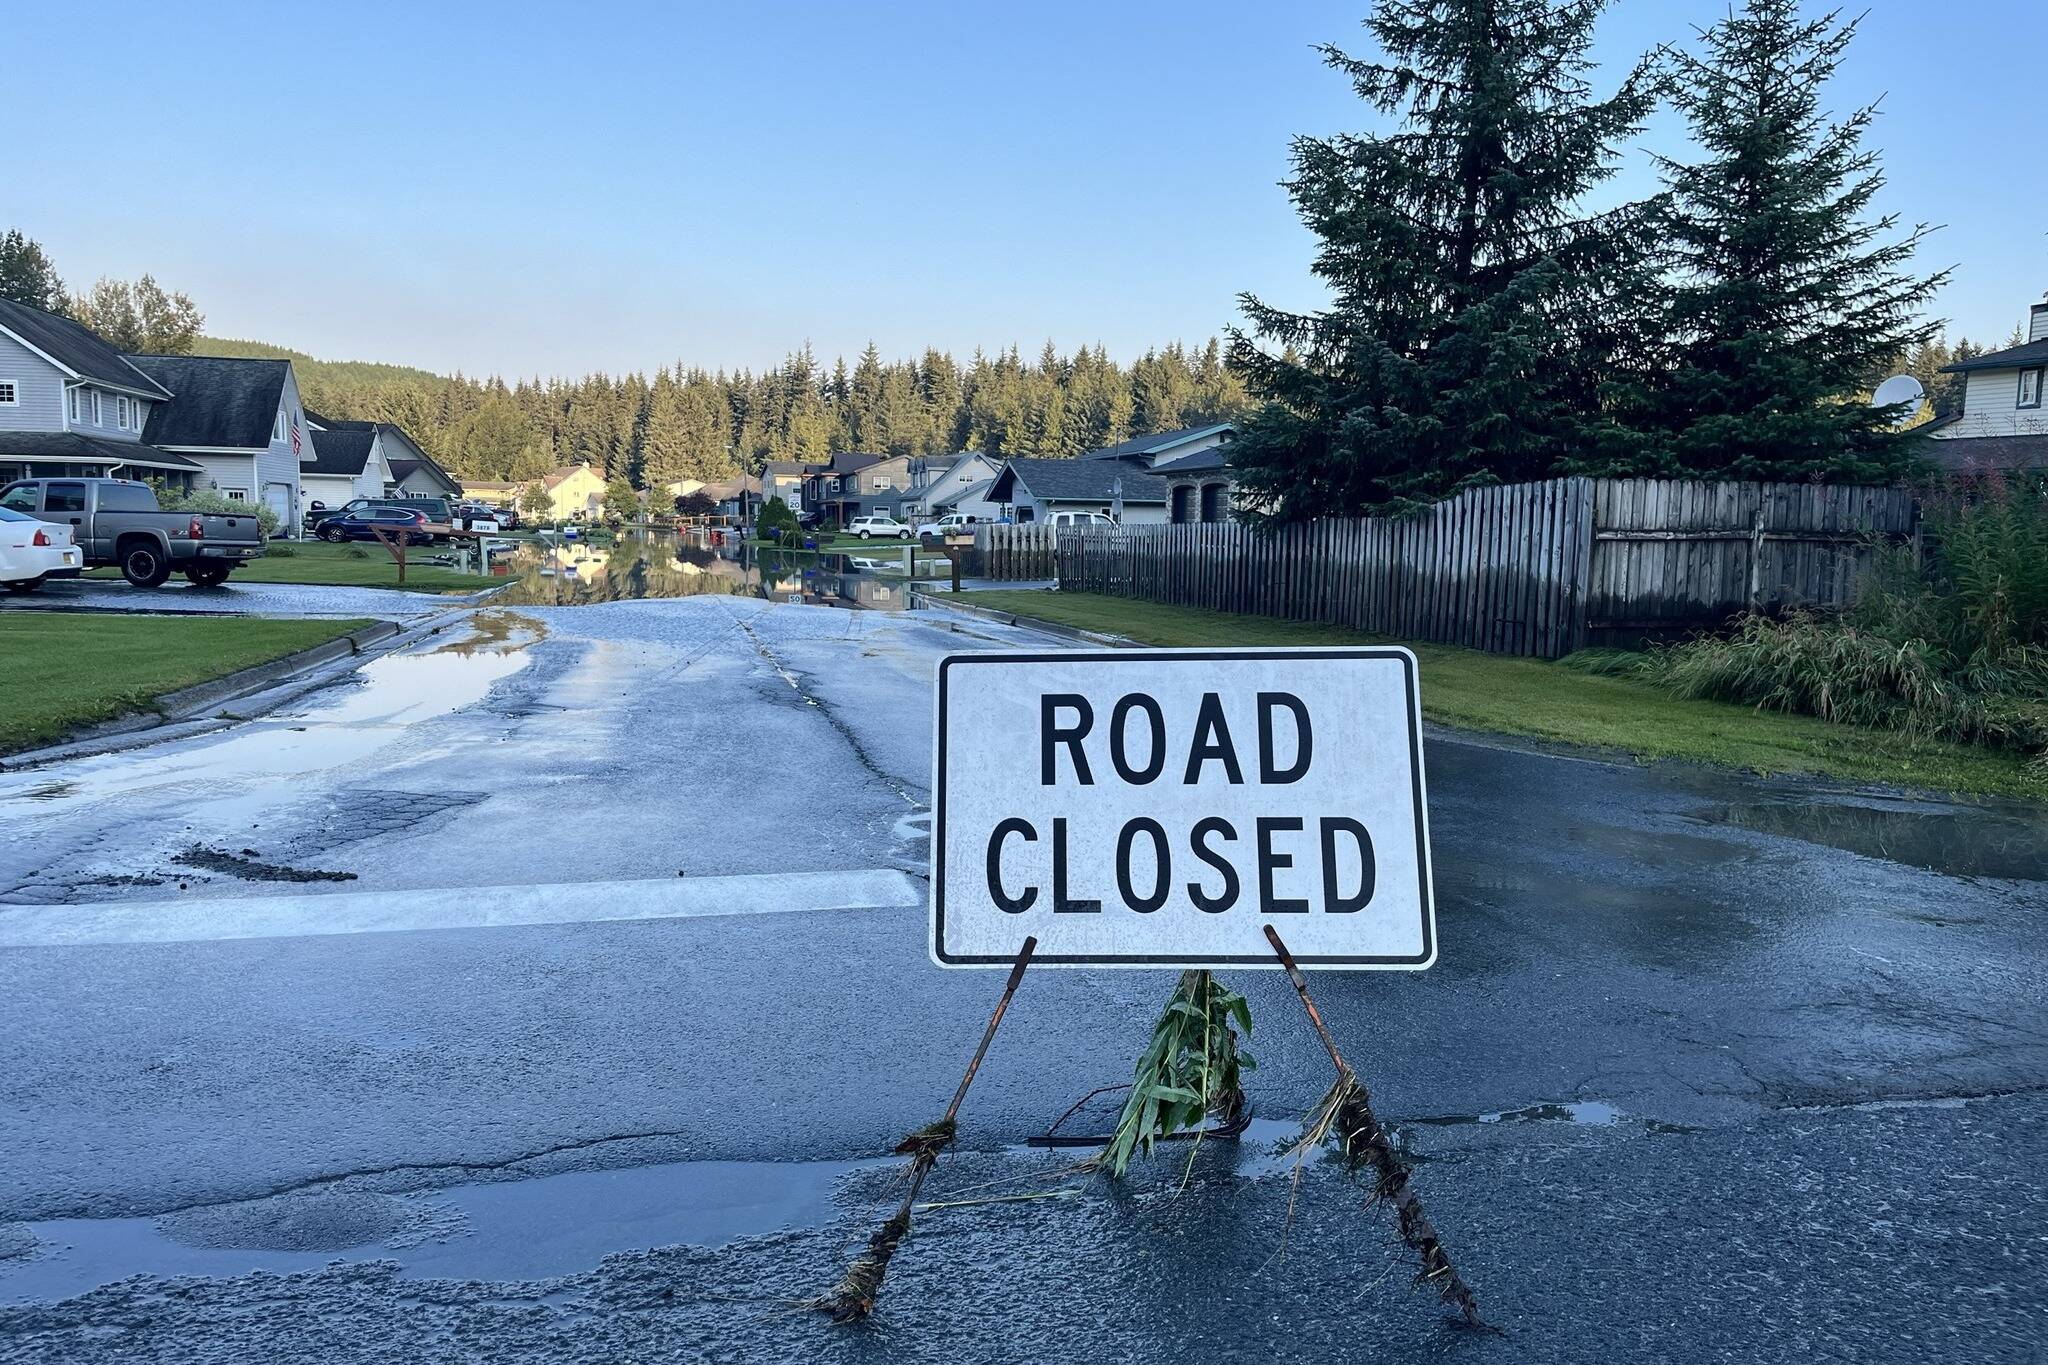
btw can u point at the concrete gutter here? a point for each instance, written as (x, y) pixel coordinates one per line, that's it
(258, 689)
(951, 602)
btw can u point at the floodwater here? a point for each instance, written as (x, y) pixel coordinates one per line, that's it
(389, 695)
(643, 564)
(1955, 840)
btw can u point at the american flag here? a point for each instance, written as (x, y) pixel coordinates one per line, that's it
(295, 437)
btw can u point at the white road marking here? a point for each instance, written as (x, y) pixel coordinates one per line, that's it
(196, 920)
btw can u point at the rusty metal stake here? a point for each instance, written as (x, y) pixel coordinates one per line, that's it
(1363, 1139)
(853, 1298)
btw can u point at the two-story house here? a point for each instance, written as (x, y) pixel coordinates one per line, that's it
(832, 491)
(785, 479)
(240, 420)
(71, 406)
(956, 484)
(2002, 423)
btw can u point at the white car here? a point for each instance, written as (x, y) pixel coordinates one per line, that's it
(32, 552)
(881, 524)
(1078, 519)
(952, 521)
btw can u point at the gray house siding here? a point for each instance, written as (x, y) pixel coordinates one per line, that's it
(109, 423)
(278, 467)
(38, 386)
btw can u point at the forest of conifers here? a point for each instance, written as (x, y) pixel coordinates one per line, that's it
(691, 424)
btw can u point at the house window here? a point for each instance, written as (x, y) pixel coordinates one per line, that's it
(96, 421)
(235, 494)
(121, 411)
(277, 426)
(9, 395)
(76, 397)
(2030, 388)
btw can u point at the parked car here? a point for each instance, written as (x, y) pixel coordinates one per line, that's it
(880, 524)
(366, 523)
(117, 521)
(1078, 519)
(952, 521)
(33, 551)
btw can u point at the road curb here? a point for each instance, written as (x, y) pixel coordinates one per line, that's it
(184, 713)
(948, 602)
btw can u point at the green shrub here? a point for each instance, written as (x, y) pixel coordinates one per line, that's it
(206, 502)
(283, 549)
(776, 522)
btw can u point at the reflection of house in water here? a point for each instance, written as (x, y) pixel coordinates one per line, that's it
(642, 566)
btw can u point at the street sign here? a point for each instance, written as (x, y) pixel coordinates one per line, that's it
(1159, 808)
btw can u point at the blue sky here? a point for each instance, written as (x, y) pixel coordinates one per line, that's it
(523, 189)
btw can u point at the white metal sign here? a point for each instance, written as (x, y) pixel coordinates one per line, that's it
(1158, 808)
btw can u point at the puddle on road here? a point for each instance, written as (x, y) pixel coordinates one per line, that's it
(640, 565)
(508, 1230)
(1957, 841)
(333, 728)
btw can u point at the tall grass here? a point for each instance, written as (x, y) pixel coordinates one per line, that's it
(1953, 646)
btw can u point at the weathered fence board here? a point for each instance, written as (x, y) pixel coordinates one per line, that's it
(1535, 569)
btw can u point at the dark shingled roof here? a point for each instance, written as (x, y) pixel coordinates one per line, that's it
(1158, 440)
(341, 451)
(76, 348)
(336, 423)
(1077, 481)
(2013, 357)
(74, 447)
(1960, 454)
(1201, 462)
(222, 401)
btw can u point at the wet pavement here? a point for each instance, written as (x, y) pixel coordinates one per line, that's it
(179, 598)
(1710, 1067)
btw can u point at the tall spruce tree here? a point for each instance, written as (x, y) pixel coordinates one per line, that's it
(1785, 299)
(27, 274)
(1474, 297)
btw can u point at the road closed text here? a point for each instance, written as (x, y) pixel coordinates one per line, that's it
(1155, 808)
(1137, 745)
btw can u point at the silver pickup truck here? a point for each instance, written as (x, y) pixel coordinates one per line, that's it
(117, 521)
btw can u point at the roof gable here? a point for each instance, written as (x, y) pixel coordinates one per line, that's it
(1077, 481)
(2025, 357)
(1157, 443)
(75, 349)
(341, 451)
(223, 402)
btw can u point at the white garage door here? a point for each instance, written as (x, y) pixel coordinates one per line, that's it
(278, 498)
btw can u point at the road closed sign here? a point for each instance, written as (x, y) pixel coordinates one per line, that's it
(1160, 808)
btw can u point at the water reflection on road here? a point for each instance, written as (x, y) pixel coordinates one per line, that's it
(640, 564)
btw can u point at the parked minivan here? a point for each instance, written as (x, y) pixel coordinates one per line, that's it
(1078, 519)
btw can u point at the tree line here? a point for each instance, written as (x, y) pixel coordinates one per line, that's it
(1486, 325)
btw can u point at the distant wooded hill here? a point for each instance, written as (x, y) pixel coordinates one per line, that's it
(690, 423)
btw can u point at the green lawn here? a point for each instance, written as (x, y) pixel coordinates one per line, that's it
(369, 566)
(67, 669)
(1469, 690)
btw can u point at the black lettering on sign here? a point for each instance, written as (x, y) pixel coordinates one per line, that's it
(1015, 905)
(1061, 905)
(1304, 738)
(1050, 732)
(1215, 905)
(1162, 866)
(1155, 762)
(1334, 901)
(1212, 740)
(1272, 860)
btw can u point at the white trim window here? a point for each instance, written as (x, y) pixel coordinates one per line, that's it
(10, 394)
(277, 426)
(2030, 388)
(235, 494)
(75, 403)
(97, 419)
(121, 405)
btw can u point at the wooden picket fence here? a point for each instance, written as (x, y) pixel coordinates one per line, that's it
(1536, 569)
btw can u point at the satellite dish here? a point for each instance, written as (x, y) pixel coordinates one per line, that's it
(1900, 388)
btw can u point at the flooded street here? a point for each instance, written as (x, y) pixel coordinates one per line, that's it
(654, 564)
(557, 987)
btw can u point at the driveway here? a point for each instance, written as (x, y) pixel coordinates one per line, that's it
(556, 995)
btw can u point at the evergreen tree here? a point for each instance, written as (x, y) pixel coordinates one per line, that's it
(27, 274)
(1475, 306)
(1786, 299)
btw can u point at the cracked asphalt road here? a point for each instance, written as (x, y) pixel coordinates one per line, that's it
(1710, 1067)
